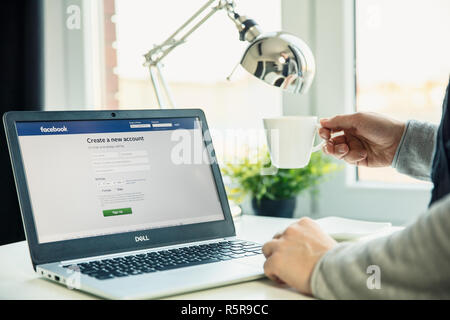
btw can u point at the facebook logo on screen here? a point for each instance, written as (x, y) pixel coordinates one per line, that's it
(54, 129)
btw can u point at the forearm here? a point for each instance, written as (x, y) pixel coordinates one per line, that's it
(413, 263)
(414, 154)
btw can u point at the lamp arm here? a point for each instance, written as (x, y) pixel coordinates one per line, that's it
(158, 52)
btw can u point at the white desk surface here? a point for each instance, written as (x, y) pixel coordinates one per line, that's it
(19, 281)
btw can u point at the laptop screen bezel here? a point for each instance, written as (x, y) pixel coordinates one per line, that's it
(121, 242)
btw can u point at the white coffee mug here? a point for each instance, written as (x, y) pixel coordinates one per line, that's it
(290, 140)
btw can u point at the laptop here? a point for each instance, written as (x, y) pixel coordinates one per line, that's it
(126, 204)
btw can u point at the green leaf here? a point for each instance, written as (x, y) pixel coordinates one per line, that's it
(246, 178)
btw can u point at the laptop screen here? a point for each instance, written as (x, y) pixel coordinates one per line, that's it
(101, 177)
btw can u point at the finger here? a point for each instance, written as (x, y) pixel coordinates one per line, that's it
(270, 270)
(278, 280)
(339, 122)
(324, 133)
(338, 146)
(306, 221)
(277, 235)
(357, 151)
(329, 147)
(270, 247)
(339, 140)
(339, 151)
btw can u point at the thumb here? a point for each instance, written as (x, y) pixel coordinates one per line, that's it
(340, 122)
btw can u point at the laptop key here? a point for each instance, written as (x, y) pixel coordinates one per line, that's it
(252, 248)
(248, 254)
(237, 256)
(224, 258)
(106, 277)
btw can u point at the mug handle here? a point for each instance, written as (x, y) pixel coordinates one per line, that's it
(321, 144)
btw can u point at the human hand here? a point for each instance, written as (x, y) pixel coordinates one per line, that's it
(292, 255)
(369, 139)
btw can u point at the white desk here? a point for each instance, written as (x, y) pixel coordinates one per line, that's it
(19, 281)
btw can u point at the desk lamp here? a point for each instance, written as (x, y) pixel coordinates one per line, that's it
(277, 58)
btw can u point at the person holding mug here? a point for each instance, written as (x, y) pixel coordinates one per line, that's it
(414, 262)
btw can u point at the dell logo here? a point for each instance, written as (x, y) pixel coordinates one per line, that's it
(141, 238)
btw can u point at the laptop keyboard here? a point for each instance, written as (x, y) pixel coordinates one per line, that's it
(168, 259)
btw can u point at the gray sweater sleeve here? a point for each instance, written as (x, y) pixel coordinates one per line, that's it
(414, 154)
(412, 263)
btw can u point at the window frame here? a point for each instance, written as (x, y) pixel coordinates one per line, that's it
(69, 87)
(329, 26)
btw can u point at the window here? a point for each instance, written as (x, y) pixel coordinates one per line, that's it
(346, 57)
(196, 71)
(402, 64)
(102, 64)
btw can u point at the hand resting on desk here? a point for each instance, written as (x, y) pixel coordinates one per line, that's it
(292, 255)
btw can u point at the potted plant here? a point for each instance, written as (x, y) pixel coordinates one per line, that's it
(273, 191)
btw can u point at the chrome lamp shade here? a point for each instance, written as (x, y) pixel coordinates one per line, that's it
(282, 60)
(279, 59)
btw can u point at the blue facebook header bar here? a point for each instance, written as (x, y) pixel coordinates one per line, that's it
(103, 126)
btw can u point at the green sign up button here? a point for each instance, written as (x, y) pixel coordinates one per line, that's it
(116, 212)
